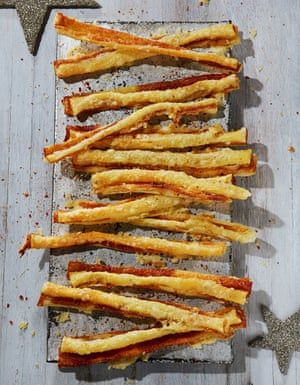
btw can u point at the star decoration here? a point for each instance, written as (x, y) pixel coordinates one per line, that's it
(283, 337)
(34, 14)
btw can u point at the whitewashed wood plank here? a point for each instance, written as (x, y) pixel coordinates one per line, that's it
(32, 84)
(18, 206)
(5, 117)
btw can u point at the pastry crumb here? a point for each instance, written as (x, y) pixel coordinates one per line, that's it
(23, 325)
(152, 260)
(291, 149)
(203, 2)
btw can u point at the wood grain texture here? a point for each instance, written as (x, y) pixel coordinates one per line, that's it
(267, 104)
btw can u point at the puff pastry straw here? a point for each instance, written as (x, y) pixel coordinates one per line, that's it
(165, 138)
(180, 90)
(121, 211)
(179, 282)
(131, 48)
(150, 342)
(174, 217)
(89, 300)
(169, 183)
(132, 122)
(127, 243)
(204, 164)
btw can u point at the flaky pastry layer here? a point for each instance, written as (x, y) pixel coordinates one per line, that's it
(169, 183)
(198, 225)
(120, 211)
(208, 163)
(121, 358)
(127, 243)
(225, 35)
(179, 282)
(131, 45)
(165, 139)
(96, 300)
(132, 122)
(174, 218)
(180, 90)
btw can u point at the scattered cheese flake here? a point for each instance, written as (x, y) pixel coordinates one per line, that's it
(23, 325)
(98, 260)
(260, 68)
(253, 33)
(62, 317)
(76, 51)
(33, 333)
(160, 32)
(39, 231)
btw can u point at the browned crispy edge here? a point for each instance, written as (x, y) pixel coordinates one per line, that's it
(236, 283)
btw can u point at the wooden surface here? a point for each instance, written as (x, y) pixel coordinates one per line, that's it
(268, 104)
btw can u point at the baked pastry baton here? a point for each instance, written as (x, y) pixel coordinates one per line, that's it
(151, 340)
(164, 138)
(120, 211)
(179, 282)
(129, 44)
(221, 35)
(199, 164)
(127, 243)
(180, 90)
(89, 300)
(130, 123)
(169, 183)
(172, 218)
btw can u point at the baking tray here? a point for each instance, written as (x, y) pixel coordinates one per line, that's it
(66, 184)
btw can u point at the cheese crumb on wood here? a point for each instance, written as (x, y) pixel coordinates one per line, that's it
(23, 325)
(253, 33)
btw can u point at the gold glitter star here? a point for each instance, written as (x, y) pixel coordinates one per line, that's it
(34, 14)
(283, 337)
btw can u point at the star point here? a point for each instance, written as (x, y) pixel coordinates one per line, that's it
(33, 15)
(283, 337)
